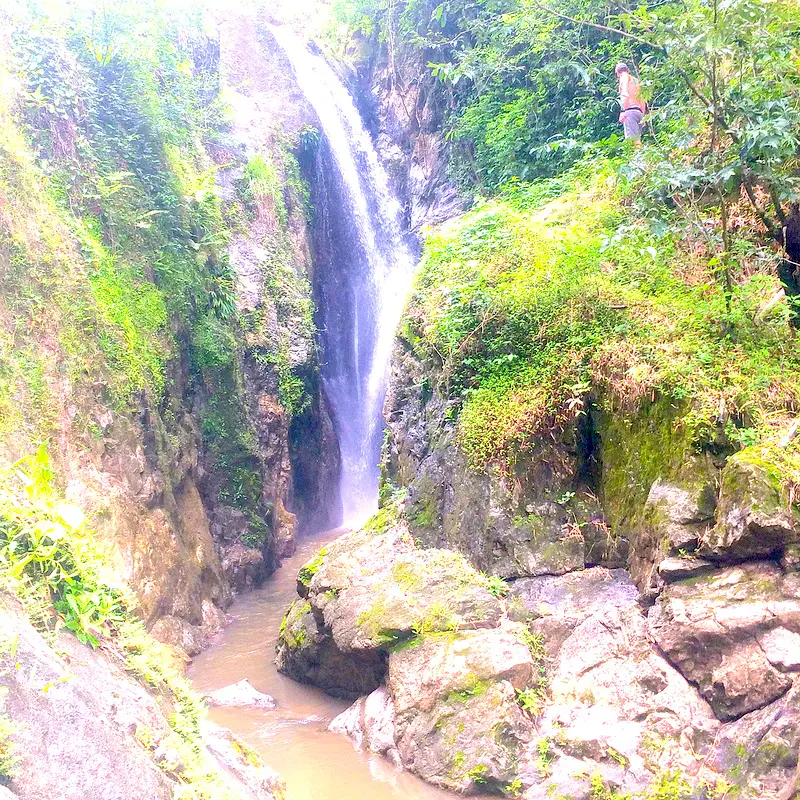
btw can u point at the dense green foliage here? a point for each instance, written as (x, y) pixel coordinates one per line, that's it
(534, 307)
(529, 84)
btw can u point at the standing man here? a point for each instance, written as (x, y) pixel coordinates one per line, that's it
(631, 103)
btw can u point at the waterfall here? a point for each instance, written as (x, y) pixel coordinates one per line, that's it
(364, 269)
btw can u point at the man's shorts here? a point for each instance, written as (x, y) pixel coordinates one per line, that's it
(633, 122)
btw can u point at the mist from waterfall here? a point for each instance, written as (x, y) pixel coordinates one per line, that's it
(364, 269)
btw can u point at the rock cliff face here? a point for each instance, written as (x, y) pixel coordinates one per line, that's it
(680, 657)
(403, 107)
(120, 743)
(191, 487)
(272, 257)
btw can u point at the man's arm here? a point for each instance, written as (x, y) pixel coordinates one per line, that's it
(624, 80)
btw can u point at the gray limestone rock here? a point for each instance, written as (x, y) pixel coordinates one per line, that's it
(178, 633)
(307, 654)
(373, 589)
(457, 720)
(245, 772)
(677, 515)
(758, 753)
(75, 721)
(370, 723)
(733, 633)
(81, 724)
(616, 708)
(240, 695)
(754, 518)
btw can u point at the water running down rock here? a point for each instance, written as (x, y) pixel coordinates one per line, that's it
(363, 272)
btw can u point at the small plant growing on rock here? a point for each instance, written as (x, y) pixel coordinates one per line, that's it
(600, 791)
(438, 619)
(496, 585)
(544, 756)
(531, 700)
(478, 773)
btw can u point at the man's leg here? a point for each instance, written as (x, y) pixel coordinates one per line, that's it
(633, 124)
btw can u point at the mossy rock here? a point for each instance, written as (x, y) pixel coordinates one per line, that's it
(307, 654)
(755, 516)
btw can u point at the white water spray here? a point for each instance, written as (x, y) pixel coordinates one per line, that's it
(375, 264)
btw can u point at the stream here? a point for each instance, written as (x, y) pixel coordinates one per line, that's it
(293, 738)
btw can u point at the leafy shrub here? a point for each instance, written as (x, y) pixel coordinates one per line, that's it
(264, 190)
(213, 342)
(43, 547)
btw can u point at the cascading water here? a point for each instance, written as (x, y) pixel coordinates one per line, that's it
(364, 269)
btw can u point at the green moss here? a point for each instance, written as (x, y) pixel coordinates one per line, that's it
(406, 576)
(471, 687)
(637, 448)
(373, 622)
(385, 519)
(292, 630)
(311, 568)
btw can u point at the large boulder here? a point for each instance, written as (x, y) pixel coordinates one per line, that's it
(616, 710)
(755, 519)
(449, 712)
(677, 515)
(376, 589)
(458, 723)
(734, 633)
(759, 752)
(309, 655)
(84, 728)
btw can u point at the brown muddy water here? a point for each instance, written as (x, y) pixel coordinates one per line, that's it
(293, 738)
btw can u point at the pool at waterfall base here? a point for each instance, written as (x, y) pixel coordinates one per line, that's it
(293, 738)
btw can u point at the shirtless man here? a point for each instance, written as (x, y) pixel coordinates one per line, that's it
(631, 103)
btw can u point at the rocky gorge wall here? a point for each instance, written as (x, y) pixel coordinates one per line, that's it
(159, 376)
(613, 522)
(190, 490)
(404, 108)
(583, 675)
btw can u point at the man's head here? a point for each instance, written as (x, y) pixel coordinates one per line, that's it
(620, 68)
